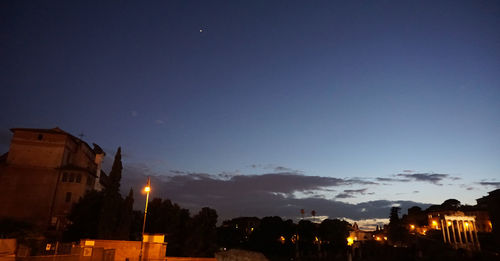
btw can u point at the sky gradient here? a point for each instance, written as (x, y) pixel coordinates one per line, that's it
(388, 92)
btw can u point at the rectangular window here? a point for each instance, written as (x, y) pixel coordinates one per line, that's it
(78, 178)
(71, 177)
(68, 197)
(65, 177)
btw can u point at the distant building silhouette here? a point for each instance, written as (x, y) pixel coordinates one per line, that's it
(44, 172)
(492, 204)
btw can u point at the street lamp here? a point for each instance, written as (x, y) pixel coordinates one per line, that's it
(147, 189)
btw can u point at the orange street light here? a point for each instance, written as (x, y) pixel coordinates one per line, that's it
(147, 189)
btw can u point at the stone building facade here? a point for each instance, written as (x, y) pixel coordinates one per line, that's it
(44, 172)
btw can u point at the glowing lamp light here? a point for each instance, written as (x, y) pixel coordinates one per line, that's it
(449, 223)
(378, 239)
(350, 241)
(435, 224)
(282, 240)
(147, 189)
(385, 238)
(412, 227)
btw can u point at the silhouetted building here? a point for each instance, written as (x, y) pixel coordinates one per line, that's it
(44, 172)
(492, 204)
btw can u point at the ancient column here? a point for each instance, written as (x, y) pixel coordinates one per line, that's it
(475, 232)
(470, 233)
(465, 232)
(458, 230)
(453, 230)
(444, 234)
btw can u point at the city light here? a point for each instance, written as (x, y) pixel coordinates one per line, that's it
(435, 224)
(350, 241)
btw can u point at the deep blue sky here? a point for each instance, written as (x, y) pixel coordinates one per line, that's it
(339, 89)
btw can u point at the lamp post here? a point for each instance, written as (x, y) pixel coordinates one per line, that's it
(146, 189)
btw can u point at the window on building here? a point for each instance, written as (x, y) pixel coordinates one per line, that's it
(65, 177)
(78, 178)
(40, 136)
(68, 197)
(71, 177)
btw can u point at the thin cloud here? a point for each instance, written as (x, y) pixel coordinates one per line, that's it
(411, 176)
(275, 168)
(134, 113)
(392, 180)
(285, 169)
(434, 178)
(494, 184)
(351, 193)
(159, 122)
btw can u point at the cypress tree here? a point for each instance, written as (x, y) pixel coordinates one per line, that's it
(115, 175)
(111, 213)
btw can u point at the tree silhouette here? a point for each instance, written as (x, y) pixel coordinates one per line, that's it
(103, 214)
(115, 175)
(397, 232)
(451, 204)
(170, 219)
(202, 241)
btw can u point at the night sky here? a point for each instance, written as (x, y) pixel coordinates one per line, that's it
(266, 107)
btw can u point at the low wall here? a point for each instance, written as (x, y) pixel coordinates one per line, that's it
(50, 258)
(171, 258)
(127, 250)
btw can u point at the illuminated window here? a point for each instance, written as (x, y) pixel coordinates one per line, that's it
(68, 197)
